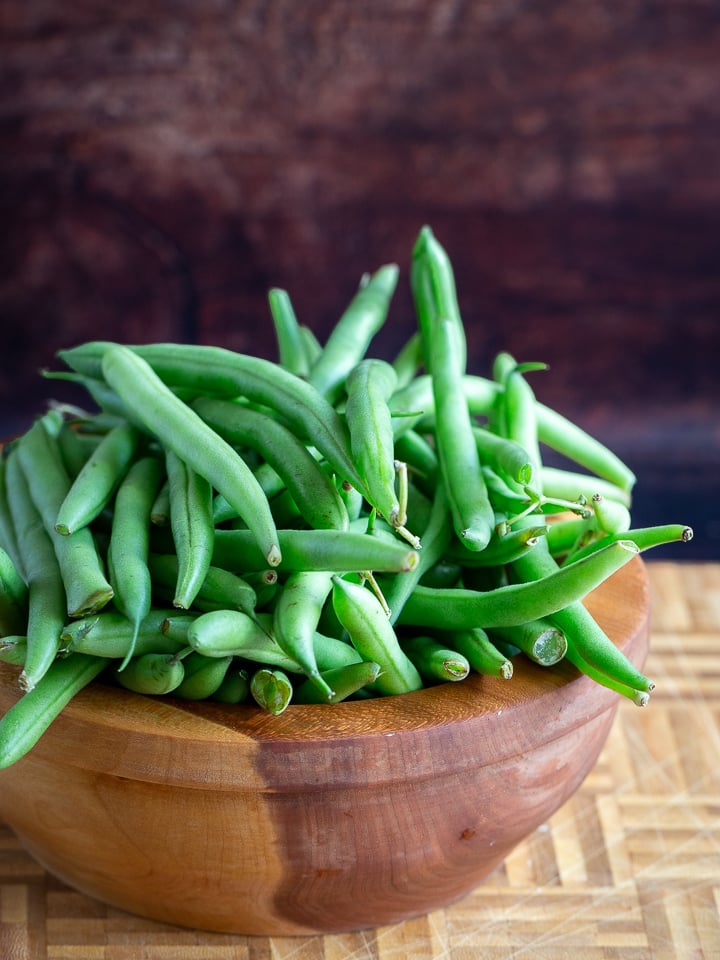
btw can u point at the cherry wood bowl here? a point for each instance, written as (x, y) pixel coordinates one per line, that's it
(324, 819)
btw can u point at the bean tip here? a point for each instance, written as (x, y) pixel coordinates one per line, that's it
(273, 556)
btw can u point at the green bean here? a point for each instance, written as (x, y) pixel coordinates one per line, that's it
(570, 440)
(95, 485)
(13, 649)
(220, 589)
(311, 345)
(369, 387)
(568, 485)
(110, 634)
(295, 620)
(502, 547)
(234, 688)
(221, 633)
(271, 690)
(353, 332)
(580, 628)
(8, 539)
(290, 341)
(435, 539)
(444, 573)
(644, 538)
(153, 674)
(371, 633)
(408, 359)
(315, 494)
(565, 536)
(471, 511)
(13, 596)
(335, 550)
(611, 516)
(86, 586)
(434, 661)
(193, 530)
(639, 697)
(29, 717)
(539, 640)
(459, 609)
(129, 542)
(188, 438)
(160, 512)
(506, 457)
(332, 653)
(421, 458)
(520, 424)
(202, 677)
(432, 283)
(345, 681)
(481, 653)
(46, 594)
(75, 448)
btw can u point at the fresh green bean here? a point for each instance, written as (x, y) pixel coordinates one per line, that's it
(470, 508)
(221, 633)
(8, 539)
(86, 586)
(110, 634)
(371, 633)
(220, 589)
(408, 360)
(335, 550)
(610, 516)
(353, 332)
(570, 440)
(13, 596)
(29, 717)
(435, 662)
(95, 485)
(160, 512)
(13, 649)
(502, 547)
(76, 448)
(432, 283)
(127, 555)
(481, 653)
(644, 538)
(369, 387)
(568, 485)
(153, 674)
(234, 688)
(435, 539)
(460, 609)
(193, 530)
(506, 457)
(539, 640)
(47, 605)
(295, 621)
(291, 345)
(185, 435)
(315, 494)
(580, 628)
(640, 698)
(345, 681)
(519, 404)
(202, 677)
(271, 690)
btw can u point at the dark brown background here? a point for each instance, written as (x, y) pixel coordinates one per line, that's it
(164, 164)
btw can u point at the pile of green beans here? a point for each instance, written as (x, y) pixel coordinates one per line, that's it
(328, 526)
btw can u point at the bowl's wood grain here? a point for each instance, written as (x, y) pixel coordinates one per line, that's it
(326, 818)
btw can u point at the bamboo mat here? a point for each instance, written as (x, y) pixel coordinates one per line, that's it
(629, 868)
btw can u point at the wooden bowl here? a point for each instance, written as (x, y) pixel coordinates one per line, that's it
(325, 819)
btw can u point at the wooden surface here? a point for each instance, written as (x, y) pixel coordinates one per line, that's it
(629, 868)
